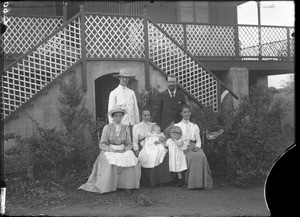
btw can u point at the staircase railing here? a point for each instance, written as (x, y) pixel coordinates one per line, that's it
(40, 65)
(23, 33)
(193, 77)
(93, 36)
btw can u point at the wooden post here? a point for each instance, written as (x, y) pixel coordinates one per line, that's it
(236, 42)
(219, 92)
(288, 43)
(146, 44)
(184, 36)
(259, 30)
(83, 48)
(65, 9)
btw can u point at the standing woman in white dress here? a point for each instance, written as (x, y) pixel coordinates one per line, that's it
(116, 166)
(198, 174)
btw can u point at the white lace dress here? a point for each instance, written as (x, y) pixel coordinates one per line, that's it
(152, 154)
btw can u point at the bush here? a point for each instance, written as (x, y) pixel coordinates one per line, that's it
(148, 99)
(252, 138)
(56, 155)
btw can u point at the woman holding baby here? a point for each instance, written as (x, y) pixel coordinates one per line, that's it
(149, 146)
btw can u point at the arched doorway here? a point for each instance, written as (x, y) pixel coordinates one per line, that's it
(103, 86)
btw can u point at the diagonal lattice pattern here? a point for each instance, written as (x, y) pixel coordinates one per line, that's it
(175, 30)
(172, 59)
(270, 42)
(40, 67)
(205, 40)
(25, 32)
(114, 37)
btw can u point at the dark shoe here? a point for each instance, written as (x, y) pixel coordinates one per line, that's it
(180, 183)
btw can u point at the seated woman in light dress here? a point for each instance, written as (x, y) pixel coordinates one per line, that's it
(198, 174)
(150, 176)
(153, 151)
(116, 166)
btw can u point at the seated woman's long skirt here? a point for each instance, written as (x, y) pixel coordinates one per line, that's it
(198, 174)
(157, 175)
(107, 178)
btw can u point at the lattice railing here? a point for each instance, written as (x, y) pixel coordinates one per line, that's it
(205, 40)
(27, 75)
(175, 30)
(172, 59)
(266, 42)
(114, 37)
(220, 40)
(25, 32)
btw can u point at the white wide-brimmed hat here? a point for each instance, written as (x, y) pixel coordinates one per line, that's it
(126, 72)
(115, 109)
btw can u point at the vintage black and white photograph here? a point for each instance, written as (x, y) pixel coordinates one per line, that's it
(146, 108)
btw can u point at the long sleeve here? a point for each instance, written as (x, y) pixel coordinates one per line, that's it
(136, 110)
(127, 144)
(104, 142)
(111, 104)
(135, 137)
(197, 136)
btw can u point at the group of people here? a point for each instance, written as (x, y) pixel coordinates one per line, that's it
(134, 152)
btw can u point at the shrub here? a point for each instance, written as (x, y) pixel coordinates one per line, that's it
(148, 99)
(252, 137)
(52, 154)
(255, 138)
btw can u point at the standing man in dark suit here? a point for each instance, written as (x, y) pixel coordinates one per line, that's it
(169, 105)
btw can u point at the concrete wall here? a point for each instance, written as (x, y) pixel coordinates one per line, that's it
(44, 108)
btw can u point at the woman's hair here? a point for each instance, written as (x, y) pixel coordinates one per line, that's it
(184, 106)
(113, 114)
(145, 110)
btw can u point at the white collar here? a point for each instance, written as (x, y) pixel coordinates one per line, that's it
(172, 92)
(122, 87)
(185, 121)
(120, 124)
(148, 123)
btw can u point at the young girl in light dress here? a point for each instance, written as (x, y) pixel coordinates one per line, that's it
(153, 151)
(177, 159)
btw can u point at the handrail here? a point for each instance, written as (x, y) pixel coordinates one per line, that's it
(44, 89)
(192, 57)
(181, 88)
(217, 24)
(41, 42)
(33, 15)
(113, 14)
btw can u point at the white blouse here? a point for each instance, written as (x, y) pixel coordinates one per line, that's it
(190, 132)
(140, 131)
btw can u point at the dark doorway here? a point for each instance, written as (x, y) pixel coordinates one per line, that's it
(103, 86)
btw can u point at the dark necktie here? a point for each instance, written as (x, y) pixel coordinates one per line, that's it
(172, 95)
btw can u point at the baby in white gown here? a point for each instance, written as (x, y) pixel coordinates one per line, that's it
(153, 151)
